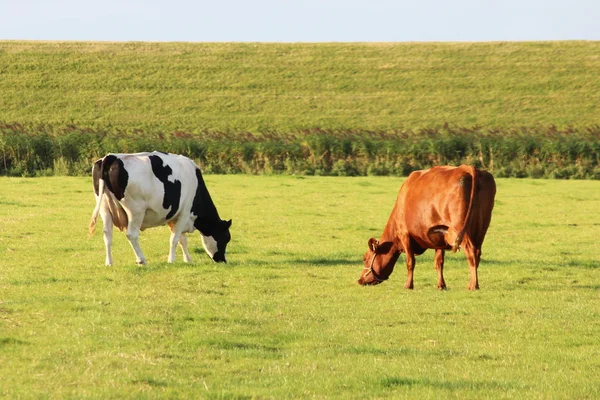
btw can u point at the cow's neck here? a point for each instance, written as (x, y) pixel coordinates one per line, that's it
(391, 232)
(390, 243)
(208, 224)
(208, 220)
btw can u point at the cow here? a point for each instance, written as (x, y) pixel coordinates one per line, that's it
(144, 190)
(441, 208)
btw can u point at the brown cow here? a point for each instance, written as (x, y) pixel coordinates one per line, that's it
(439, 208)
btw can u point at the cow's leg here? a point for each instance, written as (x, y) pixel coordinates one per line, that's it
(473, 255)
(107, 230)
(439, 267)
(183, 242)
(410, 261)
(178, 236)
(133, 234)
(410, 266)
(175, 236)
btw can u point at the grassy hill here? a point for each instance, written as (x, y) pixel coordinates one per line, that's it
(260, 87)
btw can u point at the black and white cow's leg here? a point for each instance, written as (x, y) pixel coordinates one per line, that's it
(107, 230)
(133, 234)
(178, 230)
(175, 236)
(183, 242)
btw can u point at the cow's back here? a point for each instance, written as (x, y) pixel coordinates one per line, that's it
(434, 205)
(436, 193)
(160, 186)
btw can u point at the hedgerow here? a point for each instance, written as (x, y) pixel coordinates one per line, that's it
(544, 152)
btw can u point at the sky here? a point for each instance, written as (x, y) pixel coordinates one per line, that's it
(300, 20)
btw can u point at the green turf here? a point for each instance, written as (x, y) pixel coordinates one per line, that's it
(285, 317)
(259, 87)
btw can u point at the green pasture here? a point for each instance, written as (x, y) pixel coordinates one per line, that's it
(262, 87)
(285, 317)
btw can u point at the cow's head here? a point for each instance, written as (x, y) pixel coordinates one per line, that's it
(216, 244)
(379, 261)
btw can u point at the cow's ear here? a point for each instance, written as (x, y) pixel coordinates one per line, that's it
(373, 244)
(228, 224)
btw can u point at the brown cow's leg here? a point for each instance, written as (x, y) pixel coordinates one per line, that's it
(439, 266)
(410, 266)
(473, 255)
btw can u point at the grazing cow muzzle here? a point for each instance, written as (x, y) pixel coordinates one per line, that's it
(219, 257)
(369, 276)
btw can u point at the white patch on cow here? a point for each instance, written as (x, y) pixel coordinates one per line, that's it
(210, 245)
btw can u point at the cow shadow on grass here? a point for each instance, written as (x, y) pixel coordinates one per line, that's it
(202, 260)
(326, 262)
(357, 261)
(160, 265)
(317, 262)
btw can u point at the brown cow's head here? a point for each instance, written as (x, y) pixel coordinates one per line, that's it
(379, 262)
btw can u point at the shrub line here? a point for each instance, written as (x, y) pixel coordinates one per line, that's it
(535, 152)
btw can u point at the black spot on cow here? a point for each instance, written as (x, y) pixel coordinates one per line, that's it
(114, 175)
(172, 189)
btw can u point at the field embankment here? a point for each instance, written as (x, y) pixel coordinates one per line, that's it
(518, 109)
(259, 87)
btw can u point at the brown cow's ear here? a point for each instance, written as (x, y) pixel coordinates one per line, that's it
(373, 244)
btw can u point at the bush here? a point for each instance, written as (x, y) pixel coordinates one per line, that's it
(526, 152)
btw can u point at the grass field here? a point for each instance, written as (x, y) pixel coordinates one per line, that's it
(260, 87)
(285, 317)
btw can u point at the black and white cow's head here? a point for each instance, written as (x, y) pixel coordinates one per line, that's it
(215, 240)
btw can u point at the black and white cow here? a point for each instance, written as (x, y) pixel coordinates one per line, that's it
(143, 190)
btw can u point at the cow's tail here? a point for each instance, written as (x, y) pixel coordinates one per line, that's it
(461, 234)
(97, 208)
